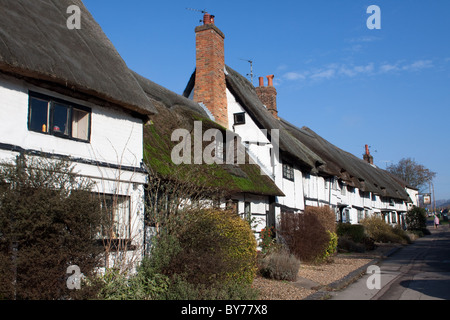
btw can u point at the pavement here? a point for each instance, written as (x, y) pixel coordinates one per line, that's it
(326, 292)
(419, 271)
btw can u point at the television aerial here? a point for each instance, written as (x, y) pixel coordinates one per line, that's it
(198, 10)
(251, 69)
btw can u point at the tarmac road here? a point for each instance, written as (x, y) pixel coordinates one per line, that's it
(420, 271)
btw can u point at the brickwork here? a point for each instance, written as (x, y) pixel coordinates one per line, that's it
(268, 96)
(210, 85)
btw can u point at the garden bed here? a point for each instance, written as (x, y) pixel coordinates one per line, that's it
(314, 277)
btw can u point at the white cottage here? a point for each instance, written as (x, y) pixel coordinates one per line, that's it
(66, 93)
(357, 188)
(234, 103)
(306, 168)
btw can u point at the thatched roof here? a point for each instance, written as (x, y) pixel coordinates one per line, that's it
(175, 112)
(290, 148)
(36, 44)
(308, 149)
(347, 167)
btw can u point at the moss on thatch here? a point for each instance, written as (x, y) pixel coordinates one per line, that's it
(230, 178)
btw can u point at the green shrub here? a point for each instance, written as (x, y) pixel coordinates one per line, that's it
(217, 245)
(206, 254)
(182, 289)
(279, 265)
(354, 238)
(377, 229)
(369, 243)
(355, 232)
(416, 219)
(332, 245)
(346, 244)
(119, 286)
(402, 234)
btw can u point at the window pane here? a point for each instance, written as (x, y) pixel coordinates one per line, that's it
(239, 118)
(60, 119)
(80, 124)
(118, 208)
(288, 172)
(247, 210)
(38, 115)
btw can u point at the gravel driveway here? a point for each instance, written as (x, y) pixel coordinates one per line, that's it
(311, 278)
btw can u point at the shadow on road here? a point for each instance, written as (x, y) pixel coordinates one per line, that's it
(432, 288)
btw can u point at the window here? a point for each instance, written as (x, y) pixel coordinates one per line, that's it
(288, 171)
(118, 209)
(343, 189)
(333, 184)
(239, 118)
(360, 214)
(247, 210)
(60, 118)
(345, 216)
(394, 217)
(233, 205)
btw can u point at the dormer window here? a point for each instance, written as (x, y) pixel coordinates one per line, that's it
(59, 118)
(239, 118)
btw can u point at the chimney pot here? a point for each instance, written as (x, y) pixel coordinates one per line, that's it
(208, 18)
(268, 95)
(261, 81)
(367, 157)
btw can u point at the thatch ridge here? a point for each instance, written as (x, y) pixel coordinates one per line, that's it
(175, 112)
(289, 146)
(354, 171)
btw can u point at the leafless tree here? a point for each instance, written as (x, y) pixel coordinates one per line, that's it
(413, 173)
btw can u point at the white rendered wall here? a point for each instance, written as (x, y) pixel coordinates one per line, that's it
(259, 146)
(116, 139)
(258, 143)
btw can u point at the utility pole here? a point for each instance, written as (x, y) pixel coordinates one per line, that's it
(434, 197)
(433, 200)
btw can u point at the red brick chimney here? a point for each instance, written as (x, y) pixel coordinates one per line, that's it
(367, 156)
(210, 85)
(268, 95)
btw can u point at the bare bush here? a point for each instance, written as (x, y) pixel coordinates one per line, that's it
(308, 234)
(49, 220)
(279, 265)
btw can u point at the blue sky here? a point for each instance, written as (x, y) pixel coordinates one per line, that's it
(388, 88)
